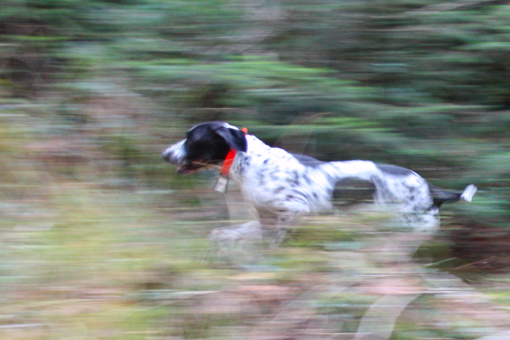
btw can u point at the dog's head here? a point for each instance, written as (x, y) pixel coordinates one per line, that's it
(205, 144)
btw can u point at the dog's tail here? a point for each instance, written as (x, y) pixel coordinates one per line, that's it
(441, 196)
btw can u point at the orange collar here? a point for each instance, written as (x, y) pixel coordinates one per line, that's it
(225, 169)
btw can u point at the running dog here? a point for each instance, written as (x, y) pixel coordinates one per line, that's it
(285, 185)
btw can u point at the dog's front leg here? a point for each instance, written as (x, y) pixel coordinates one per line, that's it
(237, 244)
(283, 228)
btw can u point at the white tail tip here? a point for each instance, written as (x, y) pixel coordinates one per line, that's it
(468, 193)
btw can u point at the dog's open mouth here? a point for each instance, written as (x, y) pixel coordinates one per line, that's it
(189, 168)
(195, 166)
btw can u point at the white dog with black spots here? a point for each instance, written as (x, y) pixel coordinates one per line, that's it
(282, 186)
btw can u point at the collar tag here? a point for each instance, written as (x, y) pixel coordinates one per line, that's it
(221, 184)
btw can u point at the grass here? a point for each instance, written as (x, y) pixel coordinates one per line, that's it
(92, 263)
(81, 259)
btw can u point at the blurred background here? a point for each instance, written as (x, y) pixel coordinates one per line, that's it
(100, 239)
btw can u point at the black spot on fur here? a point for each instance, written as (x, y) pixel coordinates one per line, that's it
(307, 179)
(278, 190)
(294, 179)
(244, 164)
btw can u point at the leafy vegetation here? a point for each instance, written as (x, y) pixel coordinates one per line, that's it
(100, 238)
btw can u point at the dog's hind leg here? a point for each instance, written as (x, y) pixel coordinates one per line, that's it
(414, 228)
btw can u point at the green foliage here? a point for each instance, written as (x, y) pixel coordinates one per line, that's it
(415, 83)
(92, 91)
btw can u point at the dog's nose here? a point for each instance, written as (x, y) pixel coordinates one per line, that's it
(166, 155)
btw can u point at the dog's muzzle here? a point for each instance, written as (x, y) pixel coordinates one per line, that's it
(176, 155)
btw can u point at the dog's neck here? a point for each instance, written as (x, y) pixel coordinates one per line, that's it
(255, 150)
(256, 147)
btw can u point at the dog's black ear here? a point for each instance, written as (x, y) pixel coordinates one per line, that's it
(235, 138)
